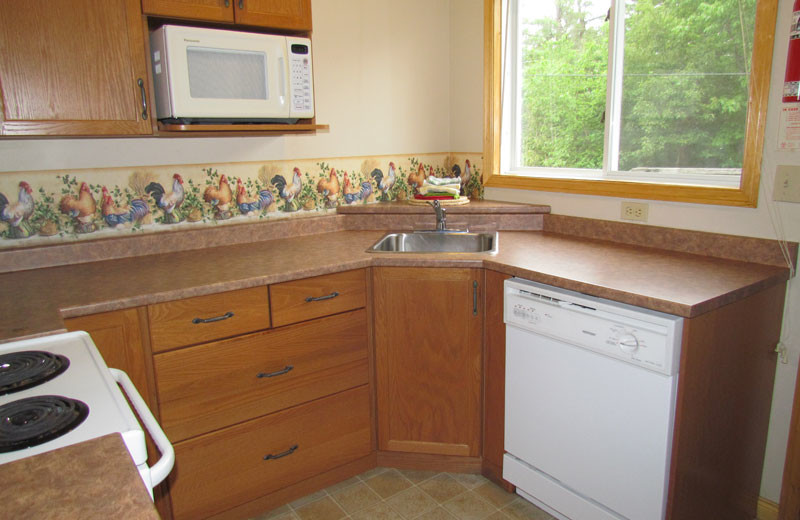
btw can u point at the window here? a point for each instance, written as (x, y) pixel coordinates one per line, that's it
(630, 98)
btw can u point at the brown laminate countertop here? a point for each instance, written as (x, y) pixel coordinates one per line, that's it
(36, 301)
(95, 479)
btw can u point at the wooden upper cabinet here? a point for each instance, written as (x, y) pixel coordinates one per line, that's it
(211, 10)
(282, 14)
(294, 15)
(428, 324)
(72, 67)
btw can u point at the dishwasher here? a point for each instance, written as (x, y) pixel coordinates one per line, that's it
(590, 403)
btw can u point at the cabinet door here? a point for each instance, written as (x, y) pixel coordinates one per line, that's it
(72, 67)
(118, 337)
(213, 10)
(428, 325)
(280, 14)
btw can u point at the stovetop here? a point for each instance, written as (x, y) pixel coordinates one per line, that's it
(84, 378)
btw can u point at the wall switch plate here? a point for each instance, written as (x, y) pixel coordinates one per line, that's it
(634, 211)
(787, 184)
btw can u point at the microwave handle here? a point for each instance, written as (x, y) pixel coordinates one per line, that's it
(282, 68)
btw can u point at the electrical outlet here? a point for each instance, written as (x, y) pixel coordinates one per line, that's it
(634, 211)
(787, 184)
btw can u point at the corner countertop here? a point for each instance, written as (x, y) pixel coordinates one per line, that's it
(36, 301)
(95, 479)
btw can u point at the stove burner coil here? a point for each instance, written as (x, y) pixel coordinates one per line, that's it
(22, 370)
(35, 420)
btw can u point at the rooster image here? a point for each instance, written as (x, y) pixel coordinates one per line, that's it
(82, 209)
(385, 184)
(251, 205)
(220, 198)
(465, 177)
(352, 194)
(289, 192)
(329, 188)
(16, 215)
(169, 203)
(416, 179)
(117, 217)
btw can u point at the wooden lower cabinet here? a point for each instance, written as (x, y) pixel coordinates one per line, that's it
(211, 386)
(494, 381)
(428, 324)
(118, 336)
(224, 469)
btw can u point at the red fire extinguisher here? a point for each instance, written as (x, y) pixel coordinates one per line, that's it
(791, 82)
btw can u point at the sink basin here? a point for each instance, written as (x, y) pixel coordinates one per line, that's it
(436, 242)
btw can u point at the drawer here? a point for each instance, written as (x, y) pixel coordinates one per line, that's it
(205, 318)
(309, 298)
(218, 471)
(207, 387)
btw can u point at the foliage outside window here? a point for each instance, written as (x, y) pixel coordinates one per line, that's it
(631, 98)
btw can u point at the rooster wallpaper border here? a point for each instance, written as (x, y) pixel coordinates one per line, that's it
(57, 206)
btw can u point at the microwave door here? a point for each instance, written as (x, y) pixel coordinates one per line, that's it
(230, 79)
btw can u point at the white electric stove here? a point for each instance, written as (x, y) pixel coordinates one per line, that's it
(56, 391)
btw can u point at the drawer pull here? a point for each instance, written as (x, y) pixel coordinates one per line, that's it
(278, 373)
(279, 455)
(320, 298)
(215, 318)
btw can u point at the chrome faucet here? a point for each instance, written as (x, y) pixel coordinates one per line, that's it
(441, 216)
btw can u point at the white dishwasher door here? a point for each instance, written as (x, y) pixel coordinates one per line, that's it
(589, 436)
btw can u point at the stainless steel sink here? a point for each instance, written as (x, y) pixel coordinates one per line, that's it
(436, 242)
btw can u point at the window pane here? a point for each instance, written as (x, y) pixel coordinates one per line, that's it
(564, 65)
(686, 68)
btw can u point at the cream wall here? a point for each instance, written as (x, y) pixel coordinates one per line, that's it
(406, 77)
(750, 222)
(382, 83)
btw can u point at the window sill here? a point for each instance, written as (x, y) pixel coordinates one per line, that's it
(745, 196)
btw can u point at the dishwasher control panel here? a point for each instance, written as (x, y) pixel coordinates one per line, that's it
(635, 335)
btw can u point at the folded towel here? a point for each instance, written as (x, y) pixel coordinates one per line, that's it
(440, 181)
(439, 190)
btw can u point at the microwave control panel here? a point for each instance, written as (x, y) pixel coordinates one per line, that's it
(301, 85)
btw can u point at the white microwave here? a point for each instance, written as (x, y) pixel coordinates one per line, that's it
(218, 76)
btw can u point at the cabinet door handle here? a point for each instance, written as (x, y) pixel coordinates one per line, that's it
(227, 3)
(215, 318)
(241, 4)
(283, 454)
(140, 82)
(334, 294)
(474, 297)
(277, 373)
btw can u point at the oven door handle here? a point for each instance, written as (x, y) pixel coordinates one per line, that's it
(160, 469)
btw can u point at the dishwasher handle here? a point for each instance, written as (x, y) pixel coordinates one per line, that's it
(160, 469)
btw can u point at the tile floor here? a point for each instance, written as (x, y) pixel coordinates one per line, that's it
(393, 494)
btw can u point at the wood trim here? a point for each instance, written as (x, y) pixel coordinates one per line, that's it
(790, 489)
(492, 73)
(429, 462)
(494, 368)
(170, 130)
(373, 400)
(745, 195)
(767, 509)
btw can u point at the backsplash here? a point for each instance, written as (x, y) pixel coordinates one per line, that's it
(57, 206)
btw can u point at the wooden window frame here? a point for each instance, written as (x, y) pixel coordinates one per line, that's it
(746, 195)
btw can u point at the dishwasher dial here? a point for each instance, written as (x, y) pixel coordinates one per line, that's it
(628, 343)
